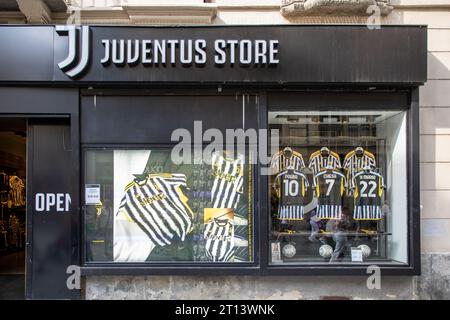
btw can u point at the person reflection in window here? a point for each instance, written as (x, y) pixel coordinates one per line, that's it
(338, 230)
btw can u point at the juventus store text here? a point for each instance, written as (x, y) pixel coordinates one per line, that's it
(112, 161)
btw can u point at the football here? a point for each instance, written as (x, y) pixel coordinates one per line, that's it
(325, 251)
(365, 250)
(289, 251)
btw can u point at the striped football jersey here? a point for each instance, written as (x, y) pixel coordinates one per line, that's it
(219, 236)
(159, 207)
(317, 162)
(280, 162)
(368, 195)
(353, 164)
(228, 181)
(329, 188)
(291, 186)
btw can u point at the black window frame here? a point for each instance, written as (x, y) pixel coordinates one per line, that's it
(368, 99)
(319, 98)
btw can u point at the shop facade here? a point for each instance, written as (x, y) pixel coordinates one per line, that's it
(107, 106)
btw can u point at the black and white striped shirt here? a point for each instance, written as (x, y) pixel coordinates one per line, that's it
(280, 162)
(330, 186)
(219, 236)
(159, 207)
(228, 181)
(353, 163)
(317, 162)
(368, 195)
(291, 186)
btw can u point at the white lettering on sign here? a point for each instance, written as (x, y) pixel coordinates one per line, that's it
(46, 202)
(188, 51)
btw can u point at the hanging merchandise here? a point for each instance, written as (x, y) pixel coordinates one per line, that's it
(355, 161)
(368, 193)
(290, 186)
(329, 185)
(324, 158)
(228, 174)
(14, 226)
(286, 158)
(4, 182)
(17, 191)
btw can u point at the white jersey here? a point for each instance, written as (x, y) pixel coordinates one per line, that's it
(280, 162)
(158, 206)
(353, 163)
(228, 181)
(219, 236)
(317, 162)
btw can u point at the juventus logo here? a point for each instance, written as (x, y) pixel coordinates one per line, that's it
(73, 65)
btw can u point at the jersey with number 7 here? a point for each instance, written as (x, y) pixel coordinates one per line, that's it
(368, 195)
(329, 188)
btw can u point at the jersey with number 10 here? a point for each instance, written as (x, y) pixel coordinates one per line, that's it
(291, 188)
(329, 188)
(368, 194)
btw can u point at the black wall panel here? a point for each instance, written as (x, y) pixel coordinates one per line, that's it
(50, 236)
(152, 119)
(26, 54)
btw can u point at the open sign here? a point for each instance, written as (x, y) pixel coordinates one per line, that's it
(46, 202)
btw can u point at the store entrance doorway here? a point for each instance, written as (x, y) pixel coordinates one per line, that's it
(13, 174)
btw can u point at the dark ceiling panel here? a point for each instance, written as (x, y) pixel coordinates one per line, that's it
(56, 5)
(9, 5)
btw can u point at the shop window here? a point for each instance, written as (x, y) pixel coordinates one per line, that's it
(338, 188)
(141, 207)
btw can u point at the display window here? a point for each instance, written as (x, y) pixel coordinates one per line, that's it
(328, 194)
(338, 187)
(141, 207)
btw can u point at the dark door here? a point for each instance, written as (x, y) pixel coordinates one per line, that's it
(50, 239)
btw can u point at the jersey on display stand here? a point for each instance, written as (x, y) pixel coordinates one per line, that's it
(291, 186)
(324, 158)
(286, 158)
(329, 187)
(355, 161)
(368, 193)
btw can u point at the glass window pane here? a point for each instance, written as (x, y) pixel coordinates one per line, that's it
(141, 207)
(338, 187)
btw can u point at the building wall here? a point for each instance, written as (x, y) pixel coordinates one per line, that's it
(434, 283)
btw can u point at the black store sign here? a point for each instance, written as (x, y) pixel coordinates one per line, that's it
(235, 54)
(47, 65)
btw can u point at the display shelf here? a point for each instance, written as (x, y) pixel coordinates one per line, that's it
(351, 233)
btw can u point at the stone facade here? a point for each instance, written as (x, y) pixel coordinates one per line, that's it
(434, 283)
(334, 7)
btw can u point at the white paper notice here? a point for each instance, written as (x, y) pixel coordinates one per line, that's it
(92, 194)
(357, 255)
(276, 252)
